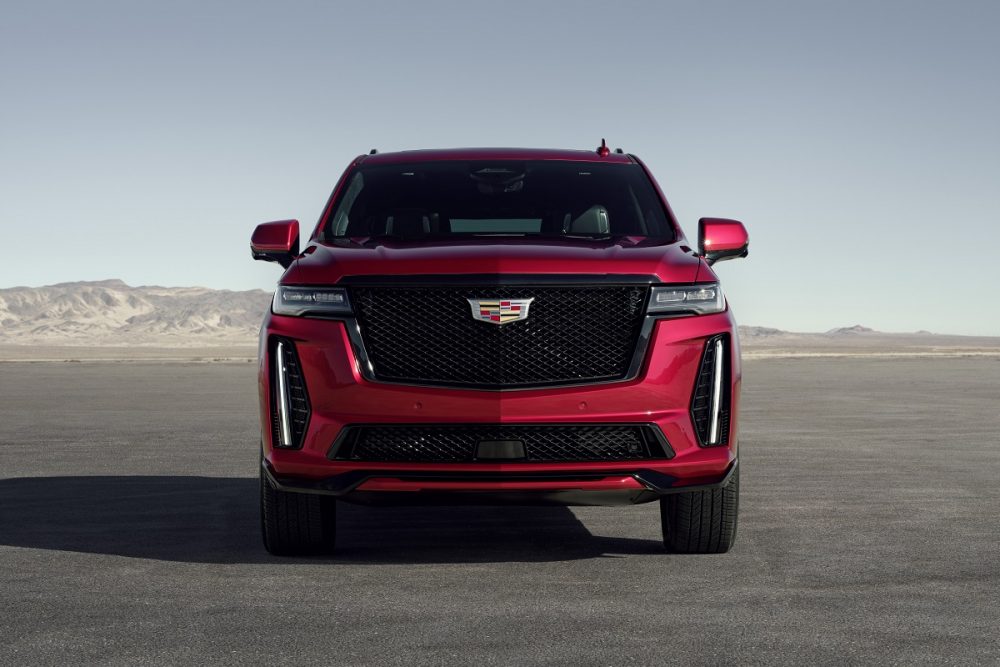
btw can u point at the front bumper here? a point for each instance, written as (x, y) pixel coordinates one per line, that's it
(340, 396)
(377, 487)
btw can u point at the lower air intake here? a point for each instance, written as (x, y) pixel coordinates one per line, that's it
(462, 443)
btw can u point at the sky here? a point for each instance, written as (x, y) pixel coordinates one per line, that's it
(859, 142)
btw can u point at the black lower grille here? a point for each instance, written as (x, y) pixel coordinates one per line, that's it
(457, 443)
(701, 400)
(427, 334)
(296, 398)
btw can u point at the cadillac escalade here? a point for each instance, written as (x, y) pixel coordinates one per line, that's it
(499, 326)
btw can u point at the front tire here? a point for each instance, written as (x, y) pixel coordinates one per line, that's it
(701, 522)
(296, 524)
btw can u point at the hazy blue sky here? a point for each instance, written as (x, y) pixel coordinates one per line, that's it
(859, 142)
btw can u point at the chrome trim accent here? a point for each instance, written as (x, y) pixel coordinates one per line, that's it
(713, 432)
(282, 397)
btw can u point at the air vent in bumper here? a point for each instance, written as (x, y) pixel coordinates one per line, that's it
(710, 403)
(289, 399)
(462, 443)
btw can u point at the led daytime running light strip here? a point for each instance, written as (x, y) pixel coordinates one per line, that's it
(286, 430)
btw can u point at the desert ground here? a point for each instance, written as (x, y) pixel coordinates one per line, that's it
(868, 534)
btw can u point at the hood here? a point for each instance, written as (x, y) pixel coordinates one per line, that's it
(328, 263)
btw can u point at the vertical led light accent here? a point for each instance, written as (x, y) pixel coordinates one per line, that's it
(286, 431)
(713, 433)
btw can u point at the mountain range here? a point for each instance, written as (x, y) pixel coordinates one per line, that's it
(110, 313)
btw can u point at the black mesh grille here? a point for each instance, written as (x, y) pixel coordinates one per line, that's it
(298, 399)
(427, 335)
(701, 401)
(459, 442)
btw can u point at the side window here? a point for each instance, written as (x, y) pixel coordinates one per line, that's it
(346, 204)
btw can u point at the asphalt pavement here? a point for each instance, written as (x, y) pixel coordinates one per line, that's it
(869, 533)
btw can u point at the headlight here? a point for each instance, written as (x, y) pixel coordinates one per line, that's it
(687, 299)
(310, 301)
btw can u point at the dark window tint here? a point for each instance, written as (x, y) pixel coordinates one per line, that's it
(453, 198)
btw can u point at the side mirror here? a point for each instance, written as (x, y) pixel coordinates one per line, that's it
(720, 238)
(276, 242)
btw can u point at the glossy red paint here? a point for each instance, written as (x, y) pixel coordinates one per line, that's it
(339, 395)
(721, 238)
(330, 262)
(278, 236)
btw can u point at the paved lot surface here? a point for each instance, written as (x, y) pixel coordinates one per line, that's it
(869, 533)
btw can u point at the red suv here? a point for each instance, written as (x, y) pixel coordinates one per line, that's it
(499, 326)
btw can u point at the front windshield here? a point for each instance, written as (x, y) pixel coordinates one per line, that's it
(518, 198)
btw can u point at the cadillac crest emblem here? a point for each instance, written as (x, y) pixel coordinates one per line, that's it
(500, 311)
